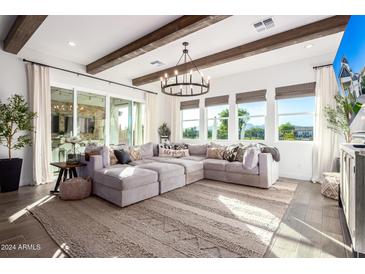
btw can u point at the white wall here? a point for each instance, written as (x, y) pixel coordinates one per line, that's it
(13, 81)
(296, 157)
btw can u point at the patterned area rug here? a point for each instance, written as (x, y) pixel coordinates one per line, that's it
(204, 219)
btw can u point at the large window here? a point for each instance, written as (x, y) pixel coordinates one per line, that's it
(190, 123)
(91, 117)
(120, 121)
(217, 122)
(296, 118)
(251, 120)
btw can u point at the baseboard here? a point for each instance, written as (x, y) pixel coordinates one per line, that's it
(295, 176)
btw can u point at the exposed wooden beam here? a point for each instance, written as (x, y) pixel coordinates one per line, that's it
(174, 30)
(301, 34)
(21, 31)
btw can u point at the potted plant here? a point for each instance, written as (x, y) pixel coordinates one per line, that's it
(16, 126)
(339, 117)
(164, 132)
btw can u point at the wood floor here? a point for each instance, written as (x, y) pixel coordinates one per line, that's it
(311, 226)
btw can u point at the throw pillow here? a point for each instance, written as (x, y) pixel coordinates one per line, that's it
(147, 150)
(135, 153)
(240, 152)
(215, 153)
(122, 156)
(113, 158)
(230, 153)
(251, 158)
(165, 152)
(179, 146)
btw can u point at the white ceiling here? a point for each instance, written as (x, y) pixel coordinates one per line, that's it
(96, 36)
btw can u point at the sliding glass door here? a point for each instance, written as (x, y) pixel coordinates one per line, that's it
(91, 118)
(61, 122)
(120, 126)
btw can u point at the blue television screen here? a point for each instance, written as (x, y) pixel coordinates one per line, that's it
(349, 63)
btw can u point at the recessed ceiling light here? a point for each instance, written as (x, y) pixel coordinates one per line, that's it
(308, 46)
(71, 44)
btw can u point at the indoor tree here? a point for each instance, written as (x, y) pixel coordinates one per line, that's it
(339, 117)
(16, 123)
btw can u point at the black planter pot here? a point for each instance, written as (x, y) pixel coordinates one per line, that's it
(10, 171)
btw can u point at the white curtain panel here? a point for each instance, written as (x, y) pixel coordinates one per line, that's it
(174, 118)
(151, 116)
(39, 90)
(326, 146)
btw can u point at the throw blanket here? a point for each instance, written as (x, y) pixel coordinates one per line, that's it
(272, 150)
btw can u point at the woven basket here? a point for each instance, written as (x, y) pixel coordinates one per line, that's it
(76, 188)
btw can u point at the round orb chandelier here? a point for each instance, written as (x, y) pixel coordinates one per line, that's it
(183, 85)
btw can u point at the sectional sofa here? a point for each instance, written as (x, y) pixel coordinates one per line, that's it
(153, 175)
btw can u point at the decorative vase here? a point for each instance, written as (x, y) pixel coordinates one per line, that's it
(73, 156)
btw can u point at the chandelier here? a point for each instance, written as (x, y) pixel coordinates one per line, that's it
(184, 84)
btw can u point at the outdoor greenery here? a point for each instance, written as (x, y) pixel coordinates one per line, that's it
(191, 133)
(16, 123)
(286, 132)
(338, 117)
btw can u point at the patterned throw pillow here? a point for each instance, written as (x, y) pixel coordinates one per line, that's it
(240, 152)
(135, 153)
(215, 153)
(230, 153)
(113, 158)
(165, 152)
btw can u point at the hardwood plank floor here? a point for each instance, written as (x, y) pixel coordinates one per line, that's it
(310, 228)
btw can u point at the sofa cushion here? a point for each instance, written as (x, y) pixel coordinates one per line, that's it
(237, 167)
(195, 158)
(215, 152)
(141, 162)
(215, 164)
(198, 150)
(189, 165)
(147, 150)
(164, 170)
(123, 177)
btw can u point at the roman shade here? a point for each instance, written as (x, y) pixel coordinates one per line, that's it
(189, 104)
(252, 96)
(215, 101)
(301, 90)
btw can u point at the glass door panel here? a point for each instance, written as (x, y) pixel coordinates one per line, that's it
(120, 121)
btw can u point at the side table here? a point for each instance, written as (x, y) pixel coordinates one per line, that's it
(67, 171)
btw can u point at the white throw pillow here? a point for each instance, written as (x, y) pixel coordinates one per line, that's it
(251, 158)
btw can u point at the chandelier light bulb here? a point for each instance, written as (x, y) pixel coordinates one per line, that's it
(176, 72)
(161, 79)
(166, 75)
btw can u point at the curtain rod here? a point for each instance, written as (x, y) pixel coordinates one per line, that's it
(89, 76)
(317, 67)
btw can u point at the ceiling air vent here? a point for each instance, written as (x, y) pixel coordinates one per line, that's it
(157, 63)
(264, 25)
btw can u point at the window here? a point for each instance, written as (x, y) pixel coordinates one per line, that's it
(190, 123)
(296, 118)
(251, 120)
(91, 117)
(120, 121)
(217, 122)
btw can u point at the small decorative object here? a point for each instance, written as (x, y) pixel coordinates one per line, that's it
(183, 84)
(73, 155)
(16, 126)
(164, 133)
(330, 185)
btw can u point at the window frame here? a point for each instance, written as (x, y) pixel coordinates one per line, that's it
(251, 116)
(212, 119)
(189, 120)
(278, 115)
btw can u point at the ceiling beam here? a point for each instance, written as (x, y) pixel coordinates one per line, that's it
(294, 36)
(20, 32)
(174, 30)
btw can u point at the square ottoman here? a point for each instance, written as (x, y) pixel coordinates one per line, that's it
(170, 176)
(124, 184)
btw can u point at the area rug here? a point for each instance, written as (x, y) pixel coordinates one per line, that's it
(204, 219)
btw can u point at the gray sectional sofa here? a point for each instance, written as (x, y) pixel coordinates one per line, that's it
(153, 175)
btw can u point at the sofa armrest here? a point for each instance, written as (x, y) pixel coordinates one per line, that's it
(268, 170)
(95, 163)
